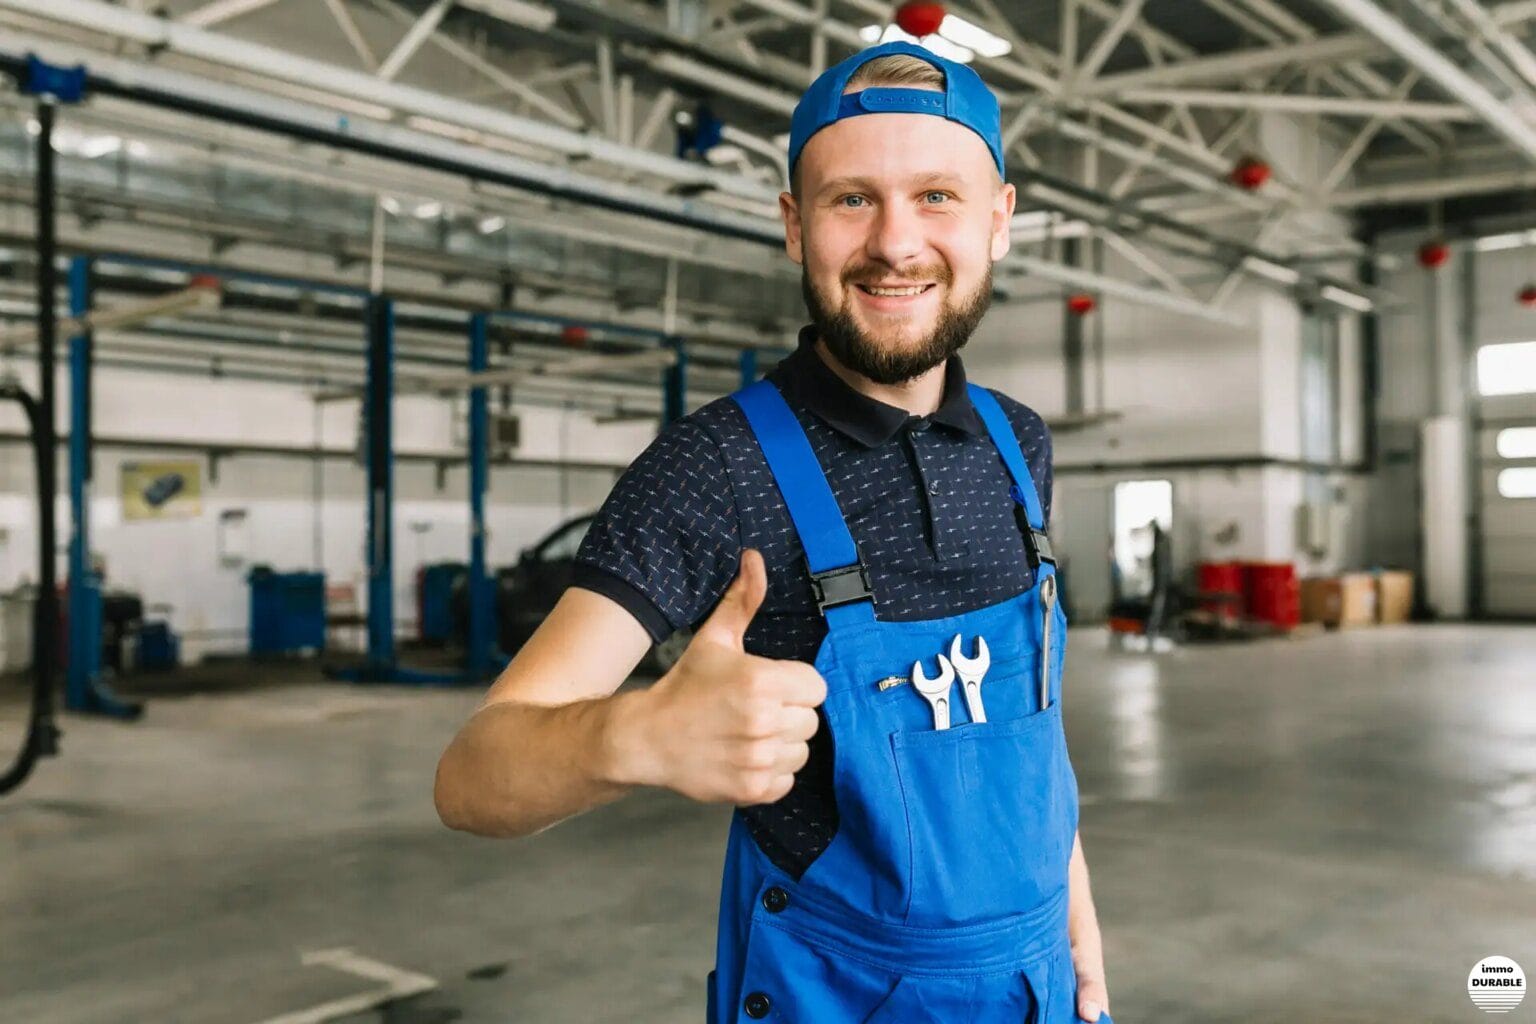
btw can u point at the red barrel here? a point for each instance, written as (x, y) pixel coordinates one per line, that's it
(1274, 594)
(1223, 589)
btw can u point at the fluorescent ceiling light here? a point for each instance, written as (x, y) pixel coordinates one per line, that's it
(34, 127)
(431, 208)
(961, 32)
(391, 205)
(1274, 271)
(724, 153)
(490, 225)
(516, 12)
(99, 146)
(138, 149)
(1512, 240)
(937, 43)
(1349, 300)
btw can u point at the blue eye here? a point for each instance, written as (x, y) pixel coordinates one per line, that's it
(853, 200)
(943, 196)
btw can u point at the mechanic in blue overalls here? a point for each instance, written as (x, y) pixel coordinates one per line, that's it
(931, 871)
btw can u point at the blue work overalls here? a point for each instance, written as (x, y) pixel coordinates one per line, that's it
(942, 898)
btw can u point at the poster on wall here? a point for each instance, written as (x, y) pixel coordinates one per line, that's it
(168, 489)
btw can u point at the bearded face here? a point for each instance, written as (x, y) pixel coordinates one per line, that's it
(898, 220)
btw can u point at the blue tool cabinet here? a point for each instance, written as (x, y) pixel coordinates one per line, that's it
(287, 611)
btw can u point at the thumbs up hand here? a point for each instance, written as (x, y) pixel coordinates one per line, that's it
(724, 725)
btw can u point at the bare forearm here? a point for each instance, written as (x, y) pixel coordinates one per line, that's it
(517, 768)
(1083, 917)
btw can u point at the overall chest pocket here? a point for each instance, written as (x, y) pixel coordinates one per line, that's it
(991, 811)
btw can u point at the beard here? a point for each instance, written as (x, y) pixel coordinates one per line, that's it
(895, 363)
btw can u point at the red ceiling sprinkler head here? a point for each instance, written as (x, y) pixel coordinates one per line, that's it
(1250, 173)
(1528, 296)
(1081, 303)
(573, 335)
(1434, 255)
(920, 17)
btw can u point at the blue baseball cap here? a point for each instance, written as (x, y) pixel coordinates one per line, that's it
(965, 100)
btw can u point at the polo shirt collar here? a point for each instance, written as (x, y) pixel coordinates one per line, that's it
(803, 376)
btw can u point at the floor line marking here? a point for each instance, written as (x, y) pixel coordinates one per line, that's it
(398, 983)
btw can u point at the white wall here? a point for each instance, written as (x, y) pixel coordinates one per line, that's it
(1181, 388)
(174, 562)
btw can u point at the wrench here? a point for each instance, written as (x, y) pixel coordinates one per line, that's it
(971, 671)
(1048, 607)
(935, 691)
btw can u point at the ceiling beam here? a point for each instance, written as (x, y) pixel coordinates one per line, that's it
(1236, 64)
(1337, 106)
(220, 11)
(1396, 36)
(413, 39)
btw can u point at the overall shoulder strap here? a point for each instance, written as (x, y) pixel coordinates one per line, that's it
(839, 579)
(1037, 545)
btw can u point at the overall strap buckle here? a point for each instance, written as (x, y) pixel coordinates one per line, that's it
(843, 585)
(1037, 546)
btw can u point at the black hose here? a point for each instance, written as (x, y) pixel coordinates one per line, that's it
(42, 734)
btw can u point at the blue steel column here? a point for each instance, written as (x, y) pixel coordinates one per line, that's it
(481, 595)
(83, 689)
(748, 366)
(378, 398)
(84, 594)
(674, 383)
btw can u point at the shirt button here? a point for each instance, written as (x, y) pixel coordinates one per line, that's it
(775, 900)
(757, 1006)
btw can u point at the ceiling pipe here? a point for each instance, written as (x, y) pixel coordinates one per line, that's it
(189, 41)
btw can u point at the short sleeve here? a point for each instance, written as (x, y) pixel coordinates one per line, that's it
(666, 542)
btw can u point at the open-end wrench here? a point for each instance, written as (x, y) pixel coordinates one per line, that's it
(971, 671)
(935, 691)
(1048, 610)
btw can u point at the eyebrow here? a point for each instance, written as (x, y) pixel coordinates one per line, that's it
(870, 185)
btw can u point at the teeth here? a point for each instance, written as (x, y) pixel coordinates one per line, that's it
(915, 290)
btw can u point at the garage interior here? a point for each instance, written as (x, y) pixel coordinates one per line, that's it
(341, 317)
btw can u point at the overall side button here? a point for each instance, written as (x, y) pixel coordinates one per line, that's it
(775, 900)
(757, 1006)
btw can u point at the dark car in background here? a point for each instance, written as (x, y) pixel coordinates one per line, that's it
(526, 592)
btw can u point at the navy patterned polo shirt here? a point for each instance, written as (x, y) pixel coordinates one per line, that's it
(925, 497)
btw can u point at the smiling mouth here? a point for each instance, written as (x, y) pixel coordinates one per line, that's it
(893, 292)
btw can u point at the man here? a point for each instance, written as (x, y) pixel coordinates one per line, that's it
(857, 539)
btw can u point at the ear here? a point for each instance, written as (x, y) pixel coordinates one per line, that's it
(789, 210)
(1002, 219)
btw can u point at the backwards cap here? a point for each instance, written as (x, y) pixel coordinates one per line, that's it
(965, 100)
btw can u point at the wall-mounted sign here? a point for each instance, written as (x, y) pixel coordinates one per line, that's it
(163, 489)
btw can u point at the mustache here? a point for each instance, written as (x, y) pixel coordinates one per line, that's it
(872, 273)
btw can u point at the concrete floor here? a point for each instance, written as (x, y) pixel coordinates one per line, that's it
(1330, 829)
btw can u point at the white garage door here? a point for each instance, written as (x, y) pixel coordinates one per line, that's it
(1506, 374)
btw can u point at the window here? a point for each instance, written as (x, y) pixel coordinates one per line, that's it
(1518, 483)
(1508, 369)
(1516, 443)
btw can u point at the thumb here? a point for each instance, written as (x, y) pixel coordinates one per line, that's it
(728, 623)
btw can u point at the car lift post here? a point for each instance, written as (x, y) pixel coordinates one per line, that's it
(674, 382)
(378, 402)
(480, 593)
(748, 366)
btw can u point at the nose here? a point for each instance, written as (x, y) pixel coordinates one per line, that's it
(896, 237)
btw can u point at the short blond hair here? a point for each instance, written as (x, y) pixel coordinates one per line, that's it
(895, 69)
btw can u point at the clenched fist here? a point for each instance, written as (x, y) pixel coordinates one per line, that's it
(723, 725)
